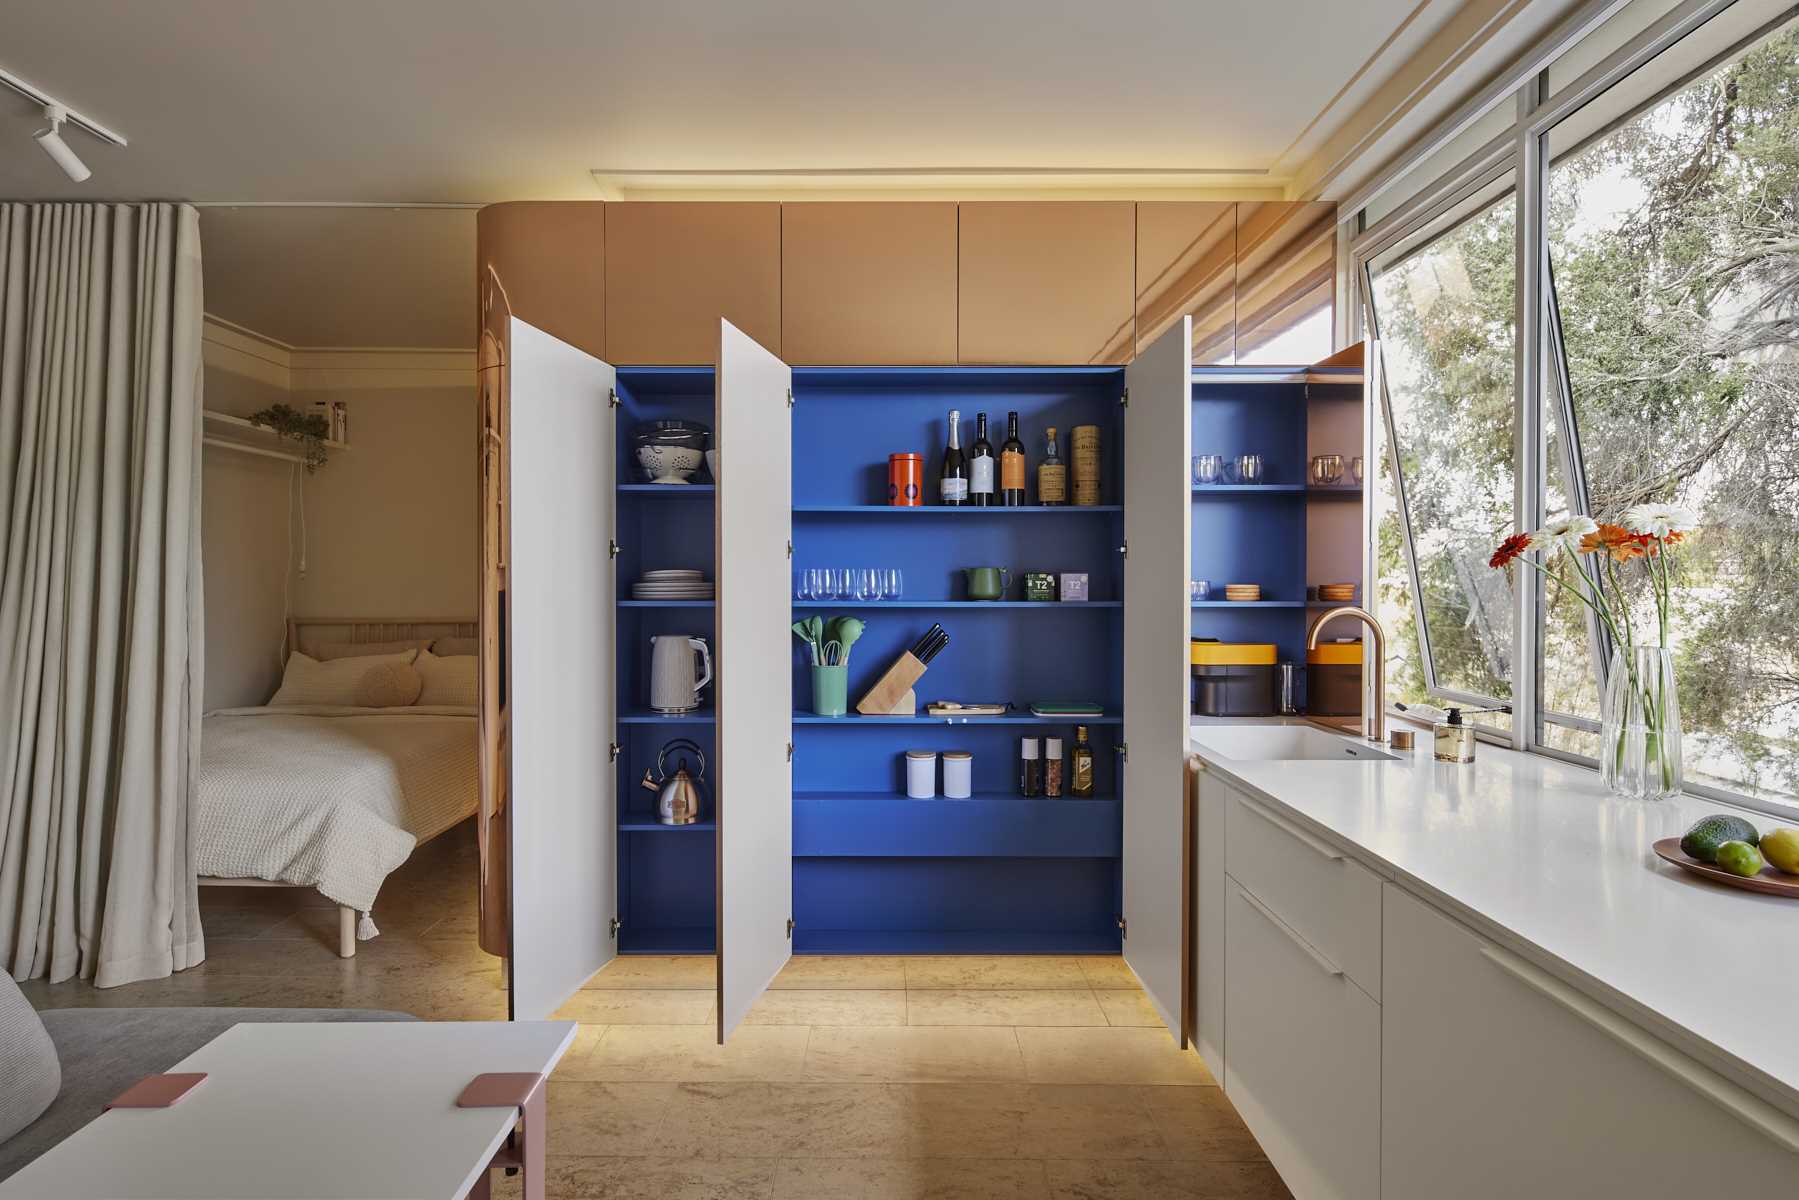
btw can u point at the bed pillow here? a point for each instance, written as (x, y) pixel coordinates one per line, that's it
(309, 681)
(448, 680)
(447, 647)
(28, 1061)
(332, 651)
(389, 685)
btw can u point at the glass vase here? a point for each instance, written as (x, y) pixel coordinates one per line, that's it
(1639, 719)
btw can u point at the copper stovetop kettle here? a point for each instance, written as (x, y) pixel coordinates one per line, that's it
(678, 797)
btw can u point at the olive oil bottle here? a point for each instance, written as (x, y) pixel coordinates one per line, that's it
(1080, 764)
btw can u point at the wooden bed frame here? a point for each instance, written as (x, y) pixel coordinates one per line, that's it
(352, 629)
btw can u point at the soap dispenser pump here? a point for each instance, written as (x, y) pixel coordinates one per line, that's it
(1454, 738)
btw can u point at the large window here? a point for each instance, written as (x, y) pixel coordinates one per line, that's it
(1662, 366)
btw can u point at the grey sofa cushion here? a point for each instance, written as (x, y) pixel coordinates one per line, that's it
(106, 1050)
(27, 1061)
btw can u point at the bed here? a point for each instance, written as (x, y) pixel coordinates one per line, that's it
(334, 796)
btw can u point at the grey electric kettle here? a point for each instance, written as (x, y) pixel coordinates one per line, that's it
(677, 797)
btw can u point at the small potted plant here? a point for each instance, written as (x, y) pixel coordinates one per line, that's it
(829, 643)
(311, 430)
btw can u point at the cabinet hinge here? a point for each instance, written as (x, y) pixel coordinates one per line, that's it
(789, 547)
(1124, 928)
(790, 929)
(789, 405)
(1124, 398)
(611, 548)
(611, 397)
(612, 752)
(612, 928)
(1123, 751)
(1124, 548)
(789, 751)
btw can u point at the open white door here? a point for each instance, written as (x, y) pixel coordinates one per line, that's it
(1158, 520)
(564, 823)
(755, 710)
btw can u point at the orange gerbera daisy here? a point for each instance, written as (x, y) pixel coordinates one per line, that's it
(1509, 549)
(1617, 541)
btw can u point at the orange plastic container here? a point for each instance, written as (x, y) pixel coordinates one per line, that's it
(905, 480)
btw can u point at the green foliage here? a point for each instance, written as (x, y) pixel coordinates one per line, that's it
(311, 430)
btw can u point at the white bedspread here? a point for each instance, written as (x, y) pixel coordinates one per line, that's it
(331, 798)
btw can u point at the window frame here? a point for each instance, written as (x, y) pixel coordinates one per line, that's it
(1541, 384)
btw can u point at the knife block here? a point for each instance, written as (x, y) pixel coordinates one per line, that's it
(892, 694)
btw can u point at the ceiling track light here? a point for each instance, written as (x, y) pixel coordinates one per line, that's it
(58, 115)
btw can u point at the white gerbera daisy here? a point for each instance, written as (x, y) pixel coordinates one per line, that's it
(1660, 520)
(1566, 532)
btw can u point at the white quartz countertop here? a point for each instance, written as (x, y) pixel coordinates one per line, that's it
(1538, 854)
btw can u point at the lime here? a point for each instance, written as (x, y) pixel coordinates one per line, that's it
(1781, 847)
(1740, 858)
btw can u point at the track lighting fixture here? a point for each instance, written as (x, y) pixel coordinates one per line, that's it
(50, 138)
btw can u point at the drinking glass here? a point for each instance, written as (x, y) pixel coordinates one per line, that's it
(1249, 468)
(1355, 468)
(1327, 469)
(834, 587)
(892, 584)
(1206, 468)
(800, 591)
(868, 586)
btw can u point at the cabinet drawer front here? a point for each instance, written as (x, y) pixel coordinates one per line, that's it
(1487, 1058)
(1304, 1061)
(1332, 902)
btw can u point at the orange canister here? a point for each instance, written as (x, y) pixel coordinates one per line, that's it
(905, 480)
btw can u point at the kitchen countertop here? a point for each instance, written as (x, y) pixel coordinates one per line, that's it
(1538, 855)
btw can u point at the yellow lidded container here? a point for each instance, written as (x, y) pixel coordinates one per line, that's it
(1231, 654)
(1336, 654)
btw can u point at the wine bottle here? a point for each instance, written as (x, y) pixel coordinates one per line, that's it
(980, 465)
(1011, 465)
(952, 481)
(1052, 474)
(1080, 763)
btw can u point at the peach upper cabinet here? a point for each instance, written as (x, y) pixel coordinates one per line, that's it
(868, 284)
(1047, 282)
(673, 269)
(552, 255)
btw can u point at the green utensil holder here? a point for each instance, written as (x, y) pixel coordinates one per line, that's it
(830, 691)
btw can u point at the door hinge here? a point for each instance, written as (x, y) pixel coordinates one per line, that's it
(1124, 928)
(790, 929)
(1124, 398)
(611, 548)
(789, 547)
(612, 752)
(789, 751)
(789, 397)
(612, 928)
(1124, 548)
(611, 397)
(1123, 751)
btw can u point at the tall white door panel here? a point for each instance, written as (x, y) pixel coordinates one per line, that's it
(564, 835)
(1158, 520)
(755, 706)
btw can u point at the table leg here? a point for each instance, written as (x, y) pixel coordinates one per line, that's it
(483, 1189)
(526, 1093)
(533, 1135)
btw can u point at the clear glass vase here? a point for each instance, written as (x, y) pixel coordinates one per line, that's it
(1639, 718)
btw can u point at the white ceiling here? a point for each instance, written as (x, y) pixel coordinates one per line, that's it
(458, 102)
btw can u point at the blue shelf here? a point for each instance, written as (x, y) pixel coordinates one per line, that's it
(985, 825)
(954, 941)
(1247, 603)
(1247, 489)
(666, 603)
(1012, 718)
(966, 511)
(1060, 605)
(667, 489)
(633, 823)
(644, 716)
(657, 940)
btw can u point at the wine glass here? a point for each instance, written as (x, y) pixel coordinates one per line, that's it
(867, 586)
(800, 589)
(892, 584)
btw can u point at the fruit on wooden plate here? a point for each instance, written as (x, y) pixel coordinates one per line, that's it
(1709, 833)
(1740, 858)
(1781, 848)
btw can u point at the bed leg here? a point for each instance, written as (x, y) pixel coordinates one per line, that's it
(346, 931)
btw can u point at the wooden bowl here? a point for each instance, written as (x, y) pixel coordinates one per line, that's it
(1770, 882)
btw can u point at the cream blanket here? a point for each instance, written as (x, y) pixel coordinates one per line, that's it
(330, 798)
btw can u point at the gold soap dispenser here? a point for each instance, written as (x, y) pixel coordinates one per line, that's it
(1455, 737)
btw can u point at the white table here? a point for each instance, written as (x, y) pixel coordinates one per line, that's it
(315, 1111)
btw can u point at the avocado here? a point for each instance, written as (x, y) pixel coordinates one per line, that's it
(1707, 834)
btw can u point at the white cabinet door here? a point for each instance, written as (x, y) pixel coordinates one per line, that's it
(1509, 1082)
(1158, 516)
(1303, 1067)
(563, 831)
(755, 707)
(1207, 922)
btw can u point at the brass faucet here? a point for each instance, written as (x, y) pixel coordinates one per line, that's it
(1377, 723)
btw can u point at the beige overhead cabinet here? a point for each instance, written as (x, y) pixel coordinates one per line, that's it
(1047, 282)
(552, 257)
(1286, 271)
(673, 269)
(868, 284)
(1187, 267)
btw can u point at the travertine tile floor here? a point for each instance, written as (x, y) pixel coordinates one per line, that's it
(871, 1077)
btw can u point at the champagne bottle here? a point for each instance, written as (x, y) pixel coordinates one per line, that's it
(980, 465)
(1080, 763)
(952, 481)
(1011, 465)
(1052, 474)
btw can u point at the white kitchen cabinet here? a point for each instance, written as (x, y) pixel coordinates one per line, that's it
(1499, 1080)
(1207, 920)
(1303, 1063)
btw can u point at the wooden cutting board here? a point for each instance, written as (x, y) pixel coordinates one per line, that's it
(1769, 882)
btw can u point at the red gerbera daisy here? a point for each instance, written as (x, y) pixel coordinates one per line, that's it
(1509, 549)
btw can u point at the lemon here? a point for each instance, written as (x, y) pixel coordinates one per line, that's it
(1781, 848)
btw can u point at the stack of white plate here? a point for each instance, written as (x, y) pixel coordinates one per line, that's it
(672, 585)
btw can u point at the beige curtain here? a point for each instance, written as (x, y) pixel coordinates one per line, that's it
(100, 602)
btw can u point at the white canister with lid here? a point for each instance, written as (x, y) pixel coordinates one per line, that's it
(921, 774)
(958, 774)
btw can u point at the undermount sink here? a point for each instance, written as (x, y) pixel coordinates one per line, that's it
(1284, 743)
